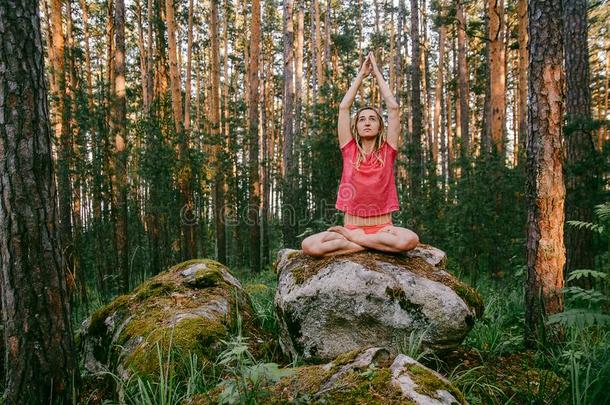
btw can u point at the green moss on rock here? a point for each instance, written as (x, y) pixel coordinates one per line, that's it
(97, 322)
(304, 267)
(428, 384)
(176, 314)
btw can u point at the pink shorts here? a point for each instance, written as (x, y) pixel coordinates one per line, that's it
(368, 229)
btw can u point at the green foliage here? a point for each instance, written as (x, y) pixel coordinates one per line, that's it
(587, 225)
(248, 377)
(500, 331)
(413, 346)
(480, 220)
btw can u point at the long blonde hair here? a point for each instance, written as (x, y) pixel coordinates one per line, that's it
(378, 141)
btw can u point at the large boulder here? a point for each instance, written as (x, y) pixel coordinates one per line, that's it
(185, 310)
(332, 305)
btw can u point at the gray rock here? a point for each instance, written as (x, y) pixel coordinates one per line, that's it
(187, 309)
(365, 374)
(334, 305)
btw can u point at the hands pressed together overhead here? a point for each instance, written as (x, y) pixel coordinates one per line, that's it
(369, 66)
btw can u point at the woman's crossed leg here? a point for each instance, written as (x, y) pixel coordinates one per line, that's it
(328, 243)
(340, 240)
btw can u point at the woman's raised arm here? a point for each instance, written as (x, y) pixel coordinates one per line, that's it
(390, 102)
(343, 126)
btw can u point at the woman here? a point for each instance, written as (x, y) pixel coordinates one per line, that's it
(367, 193)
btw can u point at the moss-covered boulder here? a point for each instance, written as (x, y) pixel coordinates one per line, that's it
(180, 312)
(369, 376)
(332, 305)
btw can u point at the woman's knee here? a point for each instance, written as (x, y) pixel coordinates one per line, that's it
(311, 244)
(408, 240)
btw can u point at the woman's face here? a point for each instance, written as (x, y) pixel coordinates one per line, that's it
(367, 124)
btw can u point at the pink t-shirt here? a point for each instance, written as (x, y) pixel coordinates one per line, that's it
(369, 190)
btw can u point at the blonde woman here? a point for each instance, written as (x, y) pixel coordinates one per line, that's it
(367, 193)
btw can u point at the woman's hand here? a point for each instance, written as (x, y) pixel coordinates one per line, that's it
(366, 68)
(349, 234)
(342, 231)
(371, 58)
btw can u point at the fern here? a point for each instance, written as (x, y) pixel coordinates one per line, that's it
(582, 294)
(579, 317)
(578, 274)
(603, 211)
(588, 226)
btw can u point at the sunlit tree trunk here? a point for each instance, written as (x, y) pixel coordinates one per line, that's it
(522, 79)
(497, 74)
(189, 64)
(85, 12)
(544, 188)
(288, 209)
(174, 72)
(62, 124)
(416, 172)
(40, 355)
(119, 135)
(439, 87)
(253, 162)
(219, 189)
(463, 80)
(143, 57)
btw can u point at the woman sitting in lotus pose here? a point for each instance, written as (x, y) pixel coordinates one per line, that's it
(367, 193)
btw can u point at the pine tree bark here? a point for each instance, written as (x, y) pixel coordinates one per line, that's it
(581, 182)
(522, 78)
(416, 172)
(497, 74)
(215, 130)
(288, 209)
(62, 124)
(189, 64)
(85, 13)
(463, 81)
(545, 187)
(253, 162)
(40, 353)
(119, 134)
(438, 92)
(143, 57)
(318, 44)
(174, 72)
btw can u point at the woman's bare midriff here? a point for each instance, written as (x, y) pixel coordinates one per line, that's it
(349, 219)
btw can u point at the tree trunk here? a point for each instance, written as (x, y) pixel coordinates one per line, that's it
(288, 209)
(417, 166)
(174, 72)
(463, 81)
(40, 353)
(439, 87)
(189, 63)
(497, 75)
(522, 79)
(253, 162)
(545, 188)
(318, 44)
(581, 181)
(119, 132)
(143, 57)
(85, 12)
(217, 158)
(62, 126)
